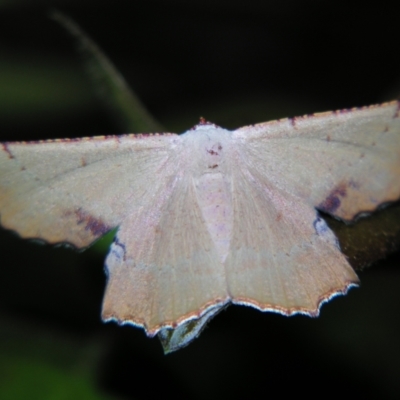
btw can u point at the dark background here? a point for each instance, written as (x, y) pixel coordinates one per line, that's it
(234, 63)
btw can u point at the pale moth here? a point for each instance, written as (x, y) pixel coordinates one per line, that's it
(210, 217)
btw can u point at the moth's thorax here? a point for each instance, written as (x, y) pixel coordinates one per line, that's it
(211, 150)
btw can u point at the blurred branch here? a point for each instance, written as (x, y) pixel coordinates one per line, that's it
(109, 82)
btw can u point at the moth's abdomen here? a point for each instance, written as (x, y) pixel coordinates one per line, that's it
(214, 194)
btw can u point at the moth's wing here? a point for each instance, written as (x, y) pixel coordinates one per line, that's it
(342, 162)
(163, 269)
(76, 190)
(283, 257)
(173, 339)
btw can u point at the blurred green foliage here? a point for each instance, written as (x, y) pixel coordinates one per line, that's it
(36, 363)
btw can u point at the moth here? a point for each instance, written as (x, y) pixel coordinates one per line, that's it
(210, 217)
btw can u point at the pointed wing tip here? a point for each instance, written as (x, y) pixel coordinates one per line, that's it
(344, 201)
(290, 311)
(80, 229)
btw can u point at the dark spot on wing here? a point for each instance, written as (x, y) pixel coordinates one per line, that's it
(95, 225)
(397, 114)
(354, 184)
(7, 150)
(333, 201)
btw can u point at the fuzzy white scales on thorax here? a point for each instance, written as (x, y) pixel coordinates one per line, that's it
(213, 183)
